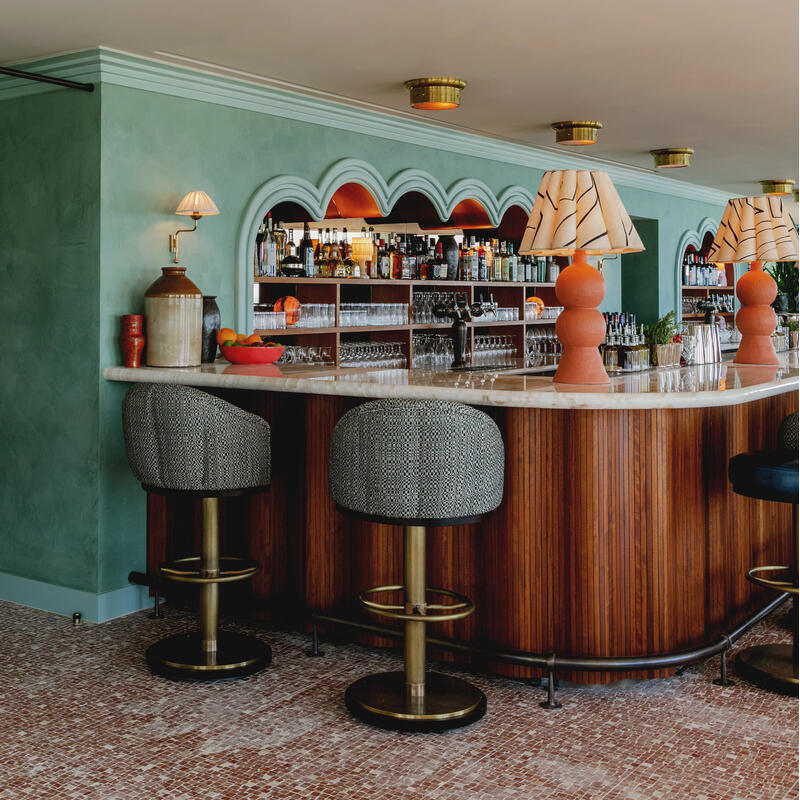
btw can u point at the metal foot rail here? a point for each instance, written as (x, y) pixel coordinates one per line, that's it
(552, 662)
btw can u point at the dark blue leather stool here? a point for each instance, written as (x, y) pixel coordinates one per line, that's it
(771, 475)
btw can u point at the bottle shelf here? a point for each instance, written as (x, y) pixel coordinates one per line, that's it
(702, 314)
(399, 282)
(708, 289)
(417, 326)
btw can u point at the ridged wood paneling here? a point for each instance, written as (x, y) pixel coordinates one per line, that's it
(618, 534)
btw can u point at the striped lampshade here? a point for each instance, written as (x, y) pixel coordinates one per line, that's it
(755, 229)
(197, 204)
(578, 210)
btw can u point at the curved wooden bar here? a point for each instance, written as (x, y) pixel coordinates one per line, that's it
(618, 534)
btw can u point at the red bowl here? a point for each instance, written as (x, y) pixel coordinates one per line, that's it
(251, 355)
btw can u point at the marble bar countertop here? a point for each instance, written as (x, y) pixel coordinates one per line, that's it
(685, 387)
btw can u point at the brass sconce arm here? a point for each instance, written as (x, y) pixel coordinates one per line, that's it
(173, 238)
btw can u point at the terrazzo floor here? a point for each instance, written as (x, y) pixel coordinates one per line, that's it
(81, 718)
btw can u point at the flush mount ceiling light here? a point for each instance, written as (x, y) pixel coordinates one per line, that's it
(777, 187)
(672, 157)
(435, 94)
(576, 131)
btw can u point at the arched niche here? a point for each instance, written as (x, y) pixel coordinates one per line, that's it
(698, 241)
(354, 188)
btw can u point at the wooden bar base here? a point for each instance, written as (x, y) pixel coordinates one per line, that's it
(618, 534)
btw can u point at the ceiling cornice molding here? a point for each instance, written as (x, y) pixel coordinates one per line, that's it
(103, 65)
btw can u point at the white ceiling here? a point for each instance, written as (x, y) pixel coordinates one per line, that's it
(717, 75)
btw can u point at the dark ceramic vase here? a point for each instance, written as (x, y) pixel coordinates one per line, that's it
(211, 324)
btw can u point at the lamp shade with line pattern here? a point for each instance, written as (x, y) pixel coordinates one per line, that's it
(578, 213)
(754, 230)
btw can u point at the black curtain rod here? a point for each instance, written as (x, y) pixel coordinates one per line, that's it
(35, 76)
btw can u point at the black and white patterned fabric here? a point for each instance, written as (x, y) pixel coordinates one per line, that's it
(787, 433)
(180, 438)
(416, 460)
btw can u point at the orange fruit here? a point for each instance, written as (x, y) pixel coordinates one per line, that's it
(225, 335)
(240, 337)
(253, 338)
(291, 305)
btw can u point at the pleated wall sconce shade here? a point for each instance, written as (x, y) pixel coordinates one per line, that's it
(755, 229)
(578, 210)
(197, 204)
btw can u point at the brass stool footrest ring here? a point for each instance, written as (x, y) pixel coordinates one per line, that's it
(753, 575)
(451, 611)
(188, 570)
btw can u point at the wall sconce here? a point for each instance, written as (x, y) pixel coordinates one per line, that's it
(194, 205)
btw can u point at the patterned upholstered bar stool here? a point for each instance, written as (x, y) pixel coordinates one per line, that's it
(771, 475)
(417, 464)
(186, 443)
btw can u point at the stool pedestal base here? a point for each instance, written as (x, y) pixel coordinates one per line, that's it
(770, 666)
(182, 656)
(448, 702)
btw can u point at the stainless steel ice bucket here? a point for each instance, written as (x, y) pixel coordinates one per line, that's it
(706, 343)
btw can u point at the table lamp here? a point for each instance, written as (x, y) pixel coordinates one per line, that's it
(578, 213)
(754, 230)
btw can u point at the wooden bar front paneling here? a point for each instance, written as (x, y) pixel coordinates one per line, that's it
(618, 534)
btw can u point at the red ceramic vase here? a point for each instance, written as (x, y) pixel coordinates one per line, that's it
(132, 340)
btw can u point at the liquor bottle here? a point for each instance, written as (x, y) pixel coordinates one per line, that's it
(270, 251)
(374, 271)
(258, 263)
(490, 247)
(280, 242)
(483, 274)
(451, 255)
(290, 249)
(405, 273)
(306, 252)
(412, 255)
(505, 263)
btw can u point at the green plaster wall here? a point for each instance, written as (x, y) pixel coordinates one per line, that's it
(640, 275)
(105, 185)
(50, 333)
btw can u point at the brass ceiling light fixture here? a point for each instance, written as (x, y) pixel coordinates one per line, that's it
(576, 131)
(777, 187)
(672, 157)
(435, 94)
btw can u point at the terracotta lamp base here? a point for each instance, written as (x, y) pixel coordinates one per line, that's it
(580, 327)
(756, 320)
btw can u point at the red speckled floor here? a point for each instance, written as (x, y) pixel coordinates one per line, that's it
(82, 718)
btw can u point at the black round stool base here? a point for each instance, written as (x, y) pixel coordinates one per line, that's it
(770, 666)
(449, 702)
(182, 658)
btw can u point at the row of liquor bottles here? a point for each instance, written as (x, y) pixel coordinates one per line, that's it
(698, 272)
(400, 257)
(624, 348)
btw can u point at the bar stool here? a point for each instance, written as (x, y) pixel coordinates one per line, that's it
(771, 475)
(416, 463)
(182, 442)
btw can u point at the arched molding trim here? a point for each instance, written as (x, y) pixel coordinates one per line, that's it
(292, 188)
(695, 239)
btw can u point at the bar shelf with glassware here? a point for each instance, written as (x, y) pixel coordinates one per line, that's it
(372, 284)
